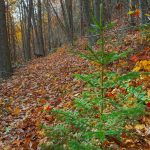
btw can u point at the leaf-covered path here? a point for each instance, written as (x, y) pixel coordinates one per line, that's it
(50, 82)
(22, 97)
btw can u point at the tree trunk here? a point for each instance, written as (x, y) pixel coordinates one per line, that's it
(66, 24)
(70, 18)
(13, 37)
(108, 10)
(28, 34)
(49, 15)
(144, 10)
(87, 12)
(96, 6)
(5, 62)
(132, 7)
(87, 9)
(41, 51)
(81, 19)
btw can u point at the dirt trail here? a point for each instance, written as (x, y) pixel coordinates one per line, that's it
(23, 96)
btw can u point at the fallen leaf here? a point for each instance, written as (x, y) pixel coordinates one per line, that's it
(148, 93)
(134, 58)
(139, 126)
(16, 111)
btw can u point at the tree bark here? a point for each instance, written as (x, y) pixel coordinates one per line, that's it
(87, 9)
(28, 34)
(132, 7)
(144, 10)
(41, 51)
(81, 19)
(5, 62)
(70, 18)
(96, 6)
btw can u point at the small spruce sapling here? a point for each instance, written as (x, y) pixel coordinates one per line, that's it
(103, 111)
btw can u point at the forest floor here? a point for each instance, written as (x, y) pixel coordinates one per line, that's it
(50, 81)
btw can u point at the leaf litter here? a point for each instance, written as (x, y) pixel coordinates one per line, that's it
(45, 83)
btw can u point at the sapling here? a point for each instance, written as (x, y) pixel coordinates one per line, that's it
(103, 111)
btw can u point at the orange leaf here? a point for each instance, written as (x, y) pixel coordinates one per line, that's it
(137, 13)
(48, 108)
(16, 111)
(17, 142)
(110, 95)
(134, 59)
(43, 101)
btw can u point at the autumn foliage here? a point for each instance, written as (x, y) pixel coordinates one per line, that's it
(82, 96)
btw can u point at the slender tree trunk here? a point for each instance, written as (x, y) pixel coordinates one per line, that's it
(70, 18)
(144, 10)
(24, 26)
(108, 10)
(49, 30)
(28, 34)
(63, 27)
(96, 6)
(37, 43)
(33, 40)
(5, 62)
(87, 10)
(66, 24)
(13, 39)
(8, 25)
(81, 19)
(49, 15)
(132, 7)
(41, 50)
